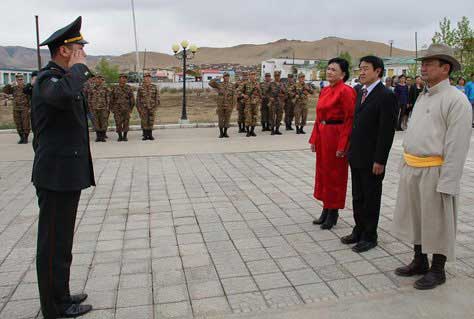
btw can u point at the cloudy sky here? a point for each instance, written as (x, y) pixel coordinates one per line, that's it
(107, 24)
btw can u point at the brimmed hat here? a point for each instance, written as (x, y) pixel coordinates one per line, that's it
(67, 35)
(300, 75)
(277, 72)
(442, 52)
(225, 74)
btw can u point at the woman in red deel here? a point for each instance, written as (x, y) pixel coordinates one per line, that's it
(330, 141)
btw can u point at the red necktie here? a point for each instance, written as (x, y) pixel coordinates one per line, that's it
(364, 95)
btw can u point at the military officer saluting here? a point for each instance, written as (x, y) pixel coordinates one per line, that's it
(62, 166)
(225, 103)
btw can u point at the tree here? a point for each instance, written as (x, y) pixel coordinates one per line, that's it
(321, 67)
(108, 71)
(347, 56)
(461, 40)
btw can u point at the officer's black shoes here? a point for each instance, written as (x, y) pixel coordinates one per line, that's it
(350, 239)
(225, 132)
(331, 219)
(273, 131)
(78, 299)
(120, 137)
(145, 135)
(103, 136)
(75, 310)
(97, 136)
(289, 128)
(247, 129)
(301, 130)
(431, 280)
(277, 131)
(125, 139)
(252, 131)
(264, 126)
(242, 128)
(297, 130)
(322, 218)
(25, 138)
(363, 246)
(221, 131)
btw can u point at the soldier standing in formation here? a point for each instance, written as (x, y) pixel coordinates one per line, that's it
(277, 92)
(122, 102)
(21, 108)
(148, 99)
(98, 97)
(241, 103)
(265, 86)
(289, 105)
(225, 103)
(301, 91)
(251, 95)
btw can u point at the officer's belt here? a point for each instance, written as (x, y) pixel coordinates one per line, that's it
(332, 122)
(428, 161)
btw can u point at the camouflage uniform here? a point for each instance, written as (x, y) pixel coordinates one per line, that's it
(264, 115)
(148, 99)
(277, 103)
(225, 104)
(290, 105)
(21, 110)
(122, 102)
(241, 104)
(301, 92)
(98, 98)
(252, 90)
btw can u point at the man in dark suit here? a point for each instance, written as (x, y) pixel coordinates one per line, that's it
(372, 136)
(62, 166)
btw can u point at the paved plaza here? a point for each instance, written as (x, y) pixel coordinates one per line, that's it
(195, 226)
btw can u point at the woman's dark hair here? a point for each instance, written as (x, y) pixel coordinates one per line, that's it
(418, 76)
(343, 64)
(402, 76)
(461, 79)
(377, 63)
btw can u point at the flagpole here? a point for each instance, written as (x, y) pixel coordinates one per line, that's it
(136, 41)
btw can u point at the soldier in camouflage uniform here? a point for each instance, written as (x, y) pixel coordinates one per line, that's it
(225, 103)
(265, 86)
(290, 105)
(122, 102)
(251, 95)
(302, 91)
(148, 99)
(277, 102)
(241, 102)
(21, 108)
(98, 98)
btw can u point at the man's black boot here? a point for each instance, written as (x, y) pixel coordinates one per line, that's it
(418, 266)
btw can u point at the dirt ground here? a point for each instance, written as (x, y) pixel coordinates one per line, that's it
(201, 108)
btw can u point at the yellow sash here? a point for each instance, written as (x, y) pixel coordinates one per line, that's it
(430, 161)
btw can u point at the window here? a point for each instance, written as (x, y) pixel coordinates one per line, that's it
(209, 78)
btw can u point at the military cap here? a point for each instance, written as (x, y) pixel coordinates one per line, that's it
(34, 73)
(226, 74)
(245, 72)
(290, 75)
(99, 76)
(277, 72)
(146, 74)
(267, 74)
(252, 72)
(123, 75)
(300, 75)
(67, 35)
(19, 75)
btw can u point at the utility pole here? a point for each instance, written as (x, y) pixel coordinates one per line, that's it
(416, 52)
(137, 67)
(144, 61)
(37, 43)
(391, 45)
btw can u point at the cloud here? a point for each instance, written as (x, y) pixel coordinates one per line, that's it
(160, 23)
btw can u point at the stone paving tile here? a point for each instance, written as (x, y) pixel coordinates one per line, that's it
(140, 312)
(171, 294)
(271, 281)
(315, 292)
(282, 297)
(134, 297)
(208, 289)
(247, 302)
(302, 277)
(264, 266)
(100, 314)
(211, 306)
(173, 310)
(346, 287)
(239, 285)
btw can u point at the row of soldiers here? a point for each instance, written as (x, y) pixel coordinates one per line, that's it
(273, 97)
(120, 100)
(21, 93)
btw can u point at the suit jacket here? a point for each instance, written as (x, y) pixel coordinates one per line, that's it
(63, 159)
(374, 128)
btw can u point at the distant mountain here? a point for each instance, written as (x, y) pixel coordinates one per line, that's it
(244, 54)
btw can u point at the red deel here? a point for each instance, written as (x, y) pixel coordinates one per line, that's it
(336, 104)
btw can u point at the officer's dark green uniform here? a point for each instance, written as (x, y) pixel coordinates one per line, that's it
(62, 167)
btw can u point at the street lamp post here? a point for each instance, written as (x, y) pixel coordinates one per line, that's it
(185, 54)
